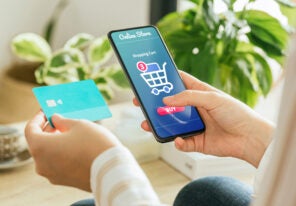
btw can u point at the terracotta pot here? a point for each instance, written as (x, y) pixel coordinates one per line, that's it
(17, 102)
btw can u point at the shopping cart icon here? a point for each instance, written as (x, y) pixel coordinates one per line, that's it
(156, 78)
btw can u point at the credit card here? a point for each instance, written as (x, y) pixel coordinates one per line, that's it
(75, 100)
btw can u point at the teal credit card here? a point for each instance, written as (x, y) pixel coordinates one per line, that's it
(76, 100)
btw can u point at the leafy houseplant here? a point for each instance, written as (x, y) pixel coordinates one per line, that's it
(82, 57)
(230, 50)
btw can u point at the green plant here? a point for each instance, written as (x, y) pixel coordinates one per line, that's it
(82, 57)
(288, 8)
(50, 27)
(230, 50)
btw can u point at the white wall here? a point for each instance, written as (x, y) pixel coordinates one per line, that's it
(96, 17)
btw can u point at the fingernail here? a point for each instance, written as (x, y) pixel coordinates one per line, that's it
(177, 145)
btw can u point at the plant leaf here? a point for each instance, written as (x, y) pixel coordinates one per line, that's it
(266, 32)
(83, 72)
(118, 77)
(65, 66)
(52, 77)
(202, 65)
(100, 80)
(196, 1)
(263, 73)
(286, 3)
(184, 41)
(260, 65)
(170, 23)
(246, 94)
(64, 59)
(31, 47)
(244, 67)
(244, 86)
(214, 47)
(100, 51)
(290, 13)
(39, 74)
(51, 25)
(106, 91)
(210, 17)
(79, 41)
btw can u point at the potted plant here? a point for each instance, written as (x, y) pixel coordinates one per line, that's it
(82, 57)
(230, 50)
(71, 63)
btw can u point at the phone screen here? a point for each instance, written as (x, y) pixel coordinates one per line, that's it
(153, 76)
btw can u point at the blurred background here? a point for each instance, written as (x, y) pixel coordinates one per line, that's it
(90, 16)
(226, 23)
(98, 17)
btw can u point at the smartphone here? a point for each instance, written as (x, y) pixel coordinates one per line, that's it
(153, 75)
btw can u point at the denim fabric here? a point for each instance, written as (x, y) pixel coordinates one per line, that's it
(214, 191)
(208, 191)
(86, 202)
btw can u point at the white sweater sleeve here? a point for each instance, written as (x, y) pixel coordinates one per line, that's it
(117, 179)
(262, 168)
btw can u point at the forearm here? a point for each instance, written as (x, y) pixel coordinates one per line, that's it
(258, 141)
(117, 179)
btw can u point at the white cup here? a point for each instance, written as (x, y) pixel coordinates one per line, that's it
(9, 142)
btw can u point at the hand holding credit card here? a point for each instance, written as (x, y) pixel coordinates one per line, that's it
(76, 100)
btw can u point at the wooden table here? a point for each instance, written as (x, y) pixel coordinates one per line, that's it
(23, 187)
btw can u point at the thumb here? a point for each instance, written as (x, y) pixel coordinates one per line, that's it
(206, 99)
(61, 123)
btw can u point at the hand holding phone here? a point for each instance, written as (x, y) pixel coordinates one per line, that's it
(153, 76)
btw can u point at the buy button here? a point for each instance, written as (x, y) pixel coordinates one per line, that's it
(169, 110)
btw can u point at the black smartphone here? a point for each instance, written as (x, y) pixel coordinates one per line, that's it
(153, 75)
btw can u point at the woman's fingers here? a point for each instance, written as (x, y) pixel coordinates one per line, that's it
(190, 144)
(35, 126)
(62, 124)
(145, 126)
(206, 100)
(136, 102)
(48, 128)
(184, 145)
(191, 83)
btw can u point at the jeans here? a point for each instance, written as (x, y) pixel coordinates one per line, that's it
(214, 191)
(86, 202)
(207, 191)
